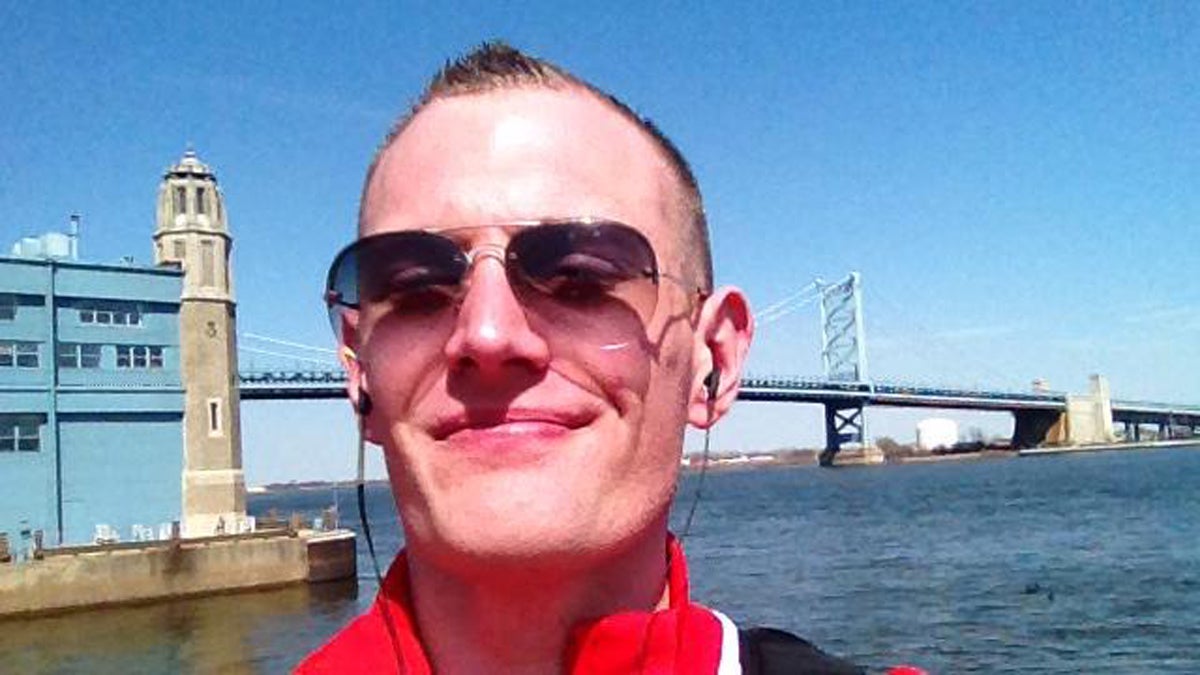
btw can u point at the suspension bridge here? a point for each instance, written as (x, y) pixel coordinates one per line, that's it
(844, 390)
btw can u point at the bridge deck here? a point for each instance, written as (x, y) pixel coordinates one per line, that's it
(329, 384)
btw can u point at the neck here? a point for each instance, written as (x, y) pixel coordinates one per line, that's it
(515, 619)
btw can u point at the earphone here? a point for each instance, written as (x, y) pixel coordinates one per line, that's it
(711, 381)
(364, 403)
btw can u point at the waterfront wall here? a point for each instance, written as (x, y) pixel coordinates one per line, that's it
(81, 577)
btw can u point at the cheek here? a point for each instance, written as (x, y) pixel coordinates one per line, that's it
(398, 364)
(621, 376)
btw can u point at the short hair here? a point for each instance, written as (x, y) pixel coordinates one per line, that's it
(496, 66)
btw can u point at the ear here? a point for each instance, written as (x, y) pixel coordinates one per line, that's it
(350, 358)
(723, 336)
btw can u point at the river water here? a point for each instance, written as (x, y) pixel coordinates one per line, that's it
(1056, 564)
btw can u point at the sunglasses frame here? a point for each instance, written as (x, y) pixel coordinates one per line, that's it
(335, 298)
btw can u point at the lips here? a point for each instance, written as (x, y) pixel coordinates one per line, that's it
(508, 421)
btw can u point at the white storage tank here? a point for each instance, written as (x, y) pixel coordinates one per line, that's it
(936, 432)
(56, 245)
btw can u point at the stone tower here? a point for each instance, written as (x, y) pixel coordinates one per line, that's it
(193, 234)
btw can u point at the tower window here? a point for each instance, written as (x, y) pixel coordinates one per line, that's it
(8, 307)
(214, 417)
(200, 194)
(207, 264)
(180, 249)
(180, 199)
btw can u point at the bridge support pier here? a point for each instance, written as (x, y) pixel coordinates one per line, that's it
(1133, 432)
(1164, 431)
(1030, 427)
(843, 424)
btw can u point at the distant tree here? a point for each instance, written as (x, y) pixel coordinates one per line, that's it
(890, 448)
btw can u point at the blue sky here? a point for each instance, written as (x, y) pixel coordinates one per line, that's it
(1016, 182)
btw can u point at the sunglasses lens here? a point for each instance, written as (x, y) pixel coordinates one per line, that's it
(416, 273)
(596, 269)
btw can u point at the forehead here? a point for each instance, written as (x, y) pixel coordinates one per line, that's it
(523, 154)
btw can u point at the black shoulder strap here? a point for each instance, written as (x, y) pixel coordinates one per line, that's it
(768, 651)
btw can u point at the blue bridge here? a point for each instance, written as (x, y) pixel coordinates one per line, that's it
(1034, 412)
(845, 390)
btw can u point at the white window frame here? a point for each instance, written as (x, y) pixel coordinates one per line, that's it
(67, 355)
(123, 314)
(20, 433)
(139, 357)
(84, 355)
(26, 355)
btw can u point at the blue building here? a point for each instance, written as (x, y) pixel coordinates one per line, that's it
(91, 394)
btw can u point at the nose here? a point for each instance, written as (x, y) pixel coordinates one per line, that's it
(492, 338)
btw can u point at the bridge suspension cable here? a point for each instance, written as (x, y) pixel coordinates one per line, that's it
(292, 357)
(320, 356)
(288, 343)
(807, 295)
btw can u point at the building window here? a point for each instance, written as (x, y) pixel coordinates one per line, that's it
(200, 200)
(73, 355)
(180, 247)
(207, 264)
(180, 199)
(111, 314)
(8, 307)
(19, 355)
(20, 433)
(139, 357)
(214, 417)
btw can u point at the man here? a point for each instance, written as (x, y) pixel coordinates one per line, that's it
(528, 324)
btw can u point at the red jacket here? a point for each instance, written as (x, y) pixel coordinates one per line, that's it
(683, 638)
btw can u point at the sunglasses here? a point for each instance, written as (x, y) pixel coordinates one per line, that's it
(593, 279)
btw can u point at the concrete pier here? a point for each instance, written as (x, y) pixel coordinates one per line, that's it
(94, 576)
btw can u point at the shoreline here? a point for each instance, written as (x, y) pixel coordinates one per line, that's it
(1105, 447)
(856, 459)
(793, 458)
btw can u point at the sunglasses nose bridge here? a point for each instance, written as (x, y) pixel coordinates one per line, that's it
(479, 253)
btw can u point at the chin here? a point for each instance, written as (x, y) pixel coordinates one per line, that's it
(545, 538)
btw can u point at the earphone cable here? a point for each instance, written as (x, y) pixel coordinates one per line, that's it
(687, 527)
(362, 516)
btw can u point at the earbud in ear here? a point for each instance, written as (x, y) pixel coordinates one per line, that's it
(711, 382)
(364, 403)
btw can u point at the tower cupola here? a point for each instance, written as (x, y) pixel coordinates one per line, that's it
(192, 231)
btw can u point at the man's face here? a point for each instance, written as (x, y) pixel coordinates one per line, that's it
(505, 438)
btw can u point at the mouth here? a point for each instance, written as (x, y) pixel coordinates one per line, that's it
(512, 422)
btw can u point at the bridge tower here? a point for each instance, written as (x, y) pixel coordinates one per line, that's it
(192, 233)
(844, 355)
